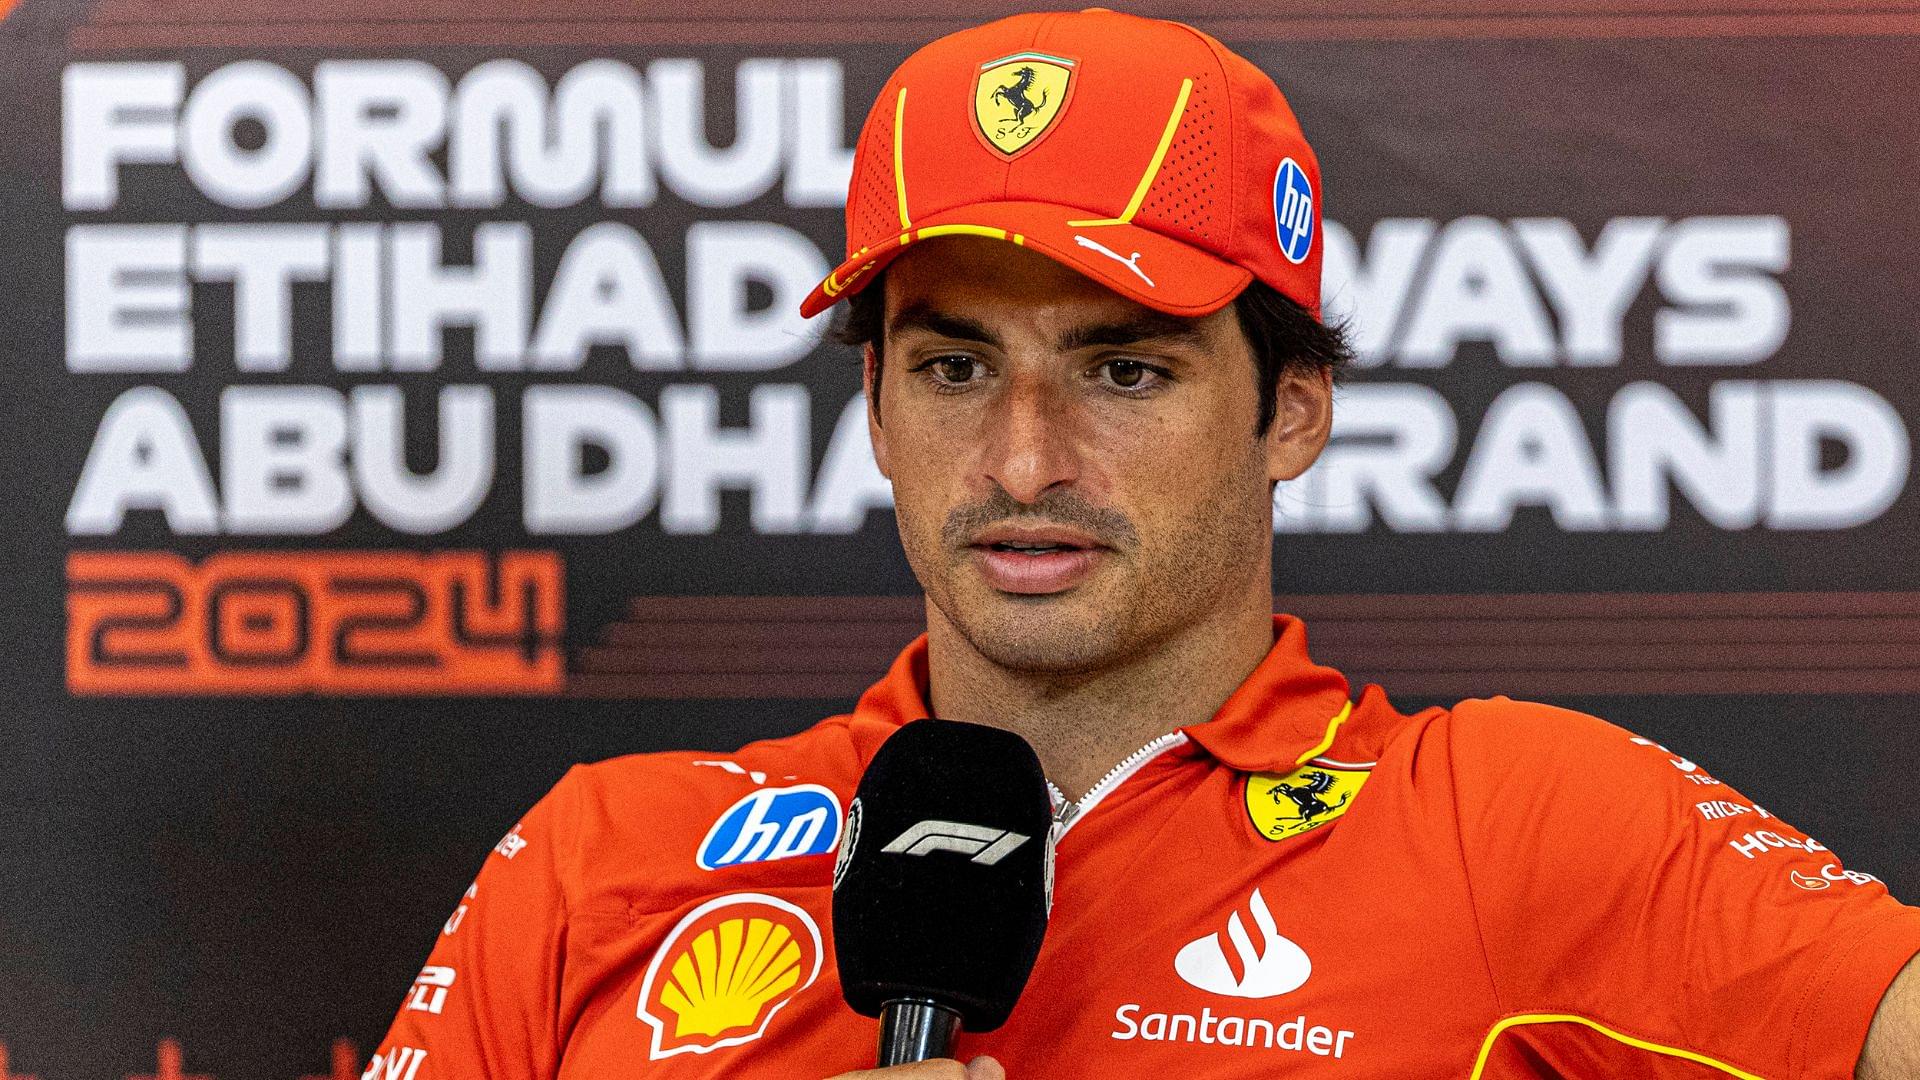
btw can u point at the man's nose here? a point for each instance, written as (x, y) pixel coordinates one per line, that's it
(1029, 445)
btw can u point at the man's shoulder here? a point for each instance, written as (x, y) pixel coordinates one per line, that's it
(1508, 728)
(1525, 759)
(646, 828)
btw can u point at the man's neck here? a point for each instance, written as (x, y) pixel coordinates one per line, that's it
(1085, 724)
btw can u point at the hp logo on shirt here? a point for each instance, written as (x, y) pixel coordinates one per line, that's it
(770, 824)
(1293, 211)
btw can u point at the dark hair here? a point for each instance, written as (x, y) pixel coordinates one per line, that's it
(1284, 337)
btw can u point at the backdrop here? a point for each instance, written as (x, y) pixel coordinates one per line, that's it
(403, 404)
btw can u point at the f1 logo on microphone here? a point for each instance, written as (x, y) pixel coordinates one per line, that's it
(986, 846)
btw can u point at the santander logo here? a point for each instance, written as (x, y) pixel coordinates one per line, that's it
(1265, 968)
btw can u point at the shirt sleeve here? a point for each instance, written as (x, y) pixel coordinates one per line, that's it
(1643, 918)
(486, 1003)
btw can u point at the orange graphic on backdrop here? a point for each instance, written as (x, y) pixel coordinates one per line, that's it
(7, 1075)
(171, 1064)
(345, 622)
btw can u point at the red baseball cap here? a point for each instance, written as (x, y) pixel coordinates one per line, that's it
(1140, 152)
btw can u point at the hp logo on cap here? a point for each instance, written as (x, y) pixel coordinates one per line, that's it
(1293, 211)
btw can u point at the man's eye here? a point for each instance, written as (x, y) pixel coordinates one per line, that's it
(955, 369)
(1129, 374)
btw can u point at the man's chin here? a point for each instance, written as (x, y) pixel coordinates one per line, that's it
(1052, 633)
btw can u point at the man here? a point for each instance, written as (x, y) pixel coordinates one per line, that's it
(1084, 256)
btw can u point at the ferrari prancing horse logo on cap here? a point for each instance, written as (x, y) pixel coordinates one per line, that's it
(1017, 98)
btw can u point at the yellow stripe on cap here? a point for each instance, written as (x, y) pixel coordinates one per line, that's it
(1146, 179)
(899, 171)
(960, 230)
(832, 285)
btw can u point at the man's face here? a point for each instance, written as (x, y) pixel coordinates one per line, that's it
(1076, 476)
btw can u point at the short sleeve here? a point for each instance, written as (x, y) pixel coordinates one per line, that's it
(486, 1002)
(1642, 918)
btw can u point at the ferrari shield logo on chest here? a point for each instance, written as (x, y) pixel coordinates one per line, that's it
(1288, 804)
(1017, 99)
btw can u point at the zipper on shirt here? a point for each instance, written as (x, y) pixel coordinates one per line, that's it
(1067, 811)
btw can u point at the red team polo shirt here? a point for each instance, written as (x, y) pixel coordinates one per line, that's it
(1308, 884)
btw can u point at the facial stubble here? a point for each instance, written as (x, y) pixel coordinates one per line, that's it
(1149, 590)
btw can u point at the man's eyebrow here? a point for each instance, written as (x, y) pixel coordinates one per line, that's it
(924, 316)
(1157, 328)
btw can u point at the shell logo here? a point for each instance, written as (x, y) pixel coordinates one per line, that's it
(724, 970)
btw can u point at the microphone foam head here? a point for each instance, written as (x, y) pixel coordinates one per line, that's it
(943, 884)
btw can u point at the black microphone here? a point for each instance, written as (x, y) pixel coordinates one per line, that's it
(943, 884)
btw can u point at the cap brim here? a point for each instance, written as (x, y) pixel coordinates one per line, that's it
(1154, 269)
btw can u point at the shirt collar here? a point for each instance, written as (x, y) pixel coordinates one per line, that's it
(1288, 711)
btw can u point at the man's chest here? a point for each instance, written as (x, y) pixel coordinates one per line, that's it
(1181, 943)
(1255, 963)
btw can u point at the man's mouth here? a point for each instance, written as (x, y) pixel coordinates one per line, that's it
(1034, 549)
(1034, 538)
(1033, 560)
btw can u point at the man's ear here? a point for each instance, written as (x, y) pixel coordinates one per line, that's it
(875, 433)
(1302, 421)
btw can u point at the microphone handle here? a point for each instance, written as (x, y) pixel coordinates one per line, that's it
(916, 1029)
